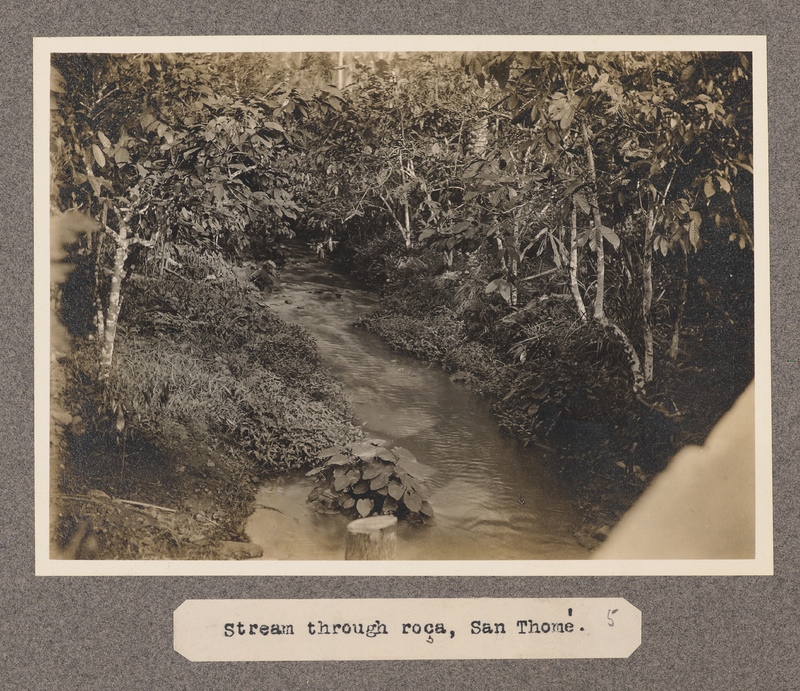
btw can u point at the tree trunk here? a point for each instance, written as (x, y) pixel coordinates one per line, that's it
(647, 295)
(676, 329)
(480, 137)
(371, 538)
(599, 312)
(407, 229)
(99, 316)
(630, 351)
(114, 300)
(406, 236)
(573, 264)
(513, 265)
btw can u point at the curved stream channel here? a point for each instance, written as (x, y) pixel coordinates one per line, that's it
(493, 498)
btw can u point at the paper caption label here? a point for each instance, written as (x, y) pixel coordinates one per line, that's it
(406, 629)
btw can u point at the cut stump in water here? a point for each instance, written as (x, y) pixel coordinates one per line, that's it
(371, 538)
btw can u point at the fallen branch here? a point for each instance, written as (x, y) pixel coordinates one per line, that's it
(659, 408)
(98, 500)
(539, 275)
(149, 506)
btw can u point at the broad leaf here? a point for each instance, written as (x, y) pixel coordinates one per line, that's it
(694, 228)
(339, 459)
(379, 482)
(341, 482)
(611, 236)
(396, 490)
(361, 487)
(386, 455)
(413, 501)
(500, 285)
(372, 471)
(364, 507)
(363, 450)
(404, 454)
(121, 156)
(583, 205)
(98, 156)
(427, 233)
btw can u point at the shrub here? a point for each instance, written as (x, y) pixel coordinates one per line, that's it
(367, 479)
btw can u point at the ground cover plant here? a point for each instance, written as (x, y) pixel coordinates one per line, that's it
(367, 478)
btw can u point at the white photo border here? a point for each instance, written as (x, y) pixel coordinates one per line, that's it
(761, 564)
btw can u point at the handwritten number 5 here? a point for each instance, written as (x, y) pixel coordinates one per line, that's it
(610, 620)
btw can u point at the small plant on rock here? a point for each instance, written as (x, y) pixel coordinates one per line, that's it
(367, 479)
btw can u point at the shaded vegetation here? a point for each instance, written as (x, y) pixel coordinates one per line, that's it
(210, 394)
(370, 479)
(571, 234)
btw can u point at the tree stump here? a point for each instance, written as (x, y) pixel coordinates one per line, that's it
(371, 538)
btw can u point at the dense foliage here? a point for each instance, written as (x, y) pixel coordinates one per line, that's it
(570, 233)
(570, 211)
(367, 479)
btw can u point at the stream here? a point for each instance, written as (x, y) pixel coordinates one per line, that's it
(493, 498)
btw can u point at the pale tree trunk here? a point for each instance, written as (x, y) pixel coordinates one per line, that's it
(599, 312)
(647, 295)
(513, 265)
(480, 136)
(99, 317)
(114, 300)
(107, 327)
(676, 329)
(405, 231)
(630, 351)
(406, 215)
(573, 264)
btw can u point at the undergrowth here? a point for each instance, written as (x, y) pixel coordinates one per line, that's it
(209, 393)
(556, 381)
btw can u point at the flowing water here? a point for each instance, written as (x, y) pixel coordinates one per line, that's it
(493, 498)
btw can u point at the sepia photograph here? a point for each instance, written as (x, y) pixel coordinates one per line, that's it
(358, 305)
